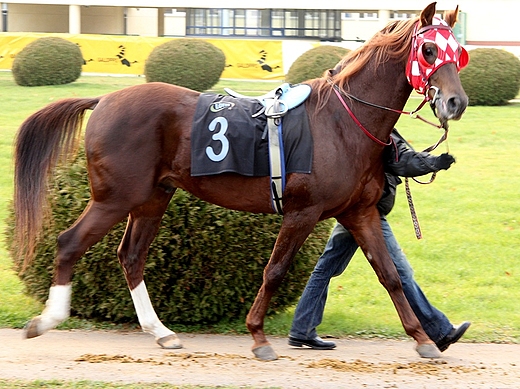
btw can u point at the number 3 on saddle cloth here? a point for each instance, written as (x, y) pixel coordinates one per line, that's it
(231, 135)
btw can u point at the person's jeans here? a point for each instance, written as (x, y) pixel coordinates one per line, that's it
(338, 252)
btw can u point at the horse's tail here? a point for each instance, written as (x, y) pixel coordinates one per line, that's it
(44, 138)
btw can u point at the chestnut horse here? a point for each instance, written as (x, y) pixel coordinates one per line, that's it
(137, 143)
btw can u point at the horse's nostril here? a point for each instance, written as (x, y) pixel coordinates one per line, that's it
(453, 104)
(456, 105)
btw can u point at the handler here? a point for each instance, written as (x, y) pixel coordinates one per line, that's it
(341, 248)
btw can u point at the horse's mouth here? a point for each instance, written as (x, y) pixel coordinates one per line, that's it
(450, 109)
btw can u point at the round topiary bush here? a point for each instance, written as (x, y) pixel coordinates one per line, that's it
(492, 77)
(48, 61)
(191, 63)
(205, 265)
(314, 62)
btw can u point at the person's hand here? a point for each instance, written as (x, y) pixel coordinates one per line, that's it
(444, 161)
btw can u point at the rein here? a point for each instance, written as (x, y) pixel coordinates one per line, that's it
(413, 114)
(413, 214)
(380, 142)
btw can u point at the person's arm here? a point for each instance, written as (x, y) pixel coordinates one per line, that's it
(410, 163)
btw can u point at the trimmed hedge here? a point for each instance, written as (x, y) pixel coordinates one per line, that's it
(205, 265)
(191, 63)
(492, 77)
(48, 61)
(314, 62)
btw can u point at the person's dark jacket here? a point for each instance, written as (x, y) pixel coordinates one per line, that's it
(401, 160)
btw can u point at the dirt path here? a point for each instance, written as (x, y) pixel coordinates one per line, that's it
(227, 360)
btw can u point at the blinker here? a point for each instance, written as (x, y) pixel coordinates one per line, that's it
(461, 62)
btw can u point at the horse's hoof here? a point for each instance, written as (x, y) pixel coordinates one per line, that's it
(31, 328)
(265, 353)
(170, 342)
(428, 350)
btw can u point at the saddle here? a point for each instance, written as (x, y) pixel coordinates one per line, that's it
(276, 104)
(286, 95)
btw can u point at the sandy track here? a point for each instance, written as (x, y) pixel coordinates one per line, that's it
(227, 360)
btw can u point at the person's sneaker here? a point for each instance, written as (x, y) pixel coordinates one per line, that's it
(454, 335)
(317, 343)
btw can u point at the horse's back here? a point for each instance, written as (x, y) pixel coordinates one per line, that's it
(144, 102)
(136, 117)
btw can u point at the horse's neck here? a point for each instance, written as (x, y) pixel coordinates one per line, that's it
(385, 86)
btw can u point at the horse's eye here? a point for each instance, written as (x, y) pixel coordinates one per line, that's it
(429, 52)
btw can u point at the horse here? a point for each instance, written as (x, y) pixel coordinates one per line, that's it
(137, 142)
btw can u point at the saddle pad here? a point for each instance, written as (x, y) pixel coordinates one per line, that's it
(227, 138)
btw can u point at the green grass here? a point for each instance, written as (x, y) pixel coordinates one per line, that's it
(466, 263)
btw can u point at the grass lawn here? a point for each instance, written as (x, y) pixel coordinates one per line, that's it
(466, 263)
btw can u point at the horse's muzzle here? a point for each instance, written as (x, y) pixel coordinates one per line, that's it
(449, 108)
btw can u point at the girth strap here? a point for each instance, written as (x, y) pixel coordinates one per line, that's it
(276, 160)
(275, 110)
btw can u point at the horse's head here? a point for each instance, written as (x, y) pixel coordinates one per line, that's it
(435, 61)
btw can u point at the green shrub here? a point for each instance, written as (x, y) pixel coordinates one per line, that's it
(205, 265)
(48, 61)
(314, 62)
(191, 63)
(492, 77)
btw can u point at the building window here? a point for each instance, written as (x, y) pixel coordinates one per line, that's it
(361, 15)
(4, 17)
(402, 15)
(279, 23)
(369, 15)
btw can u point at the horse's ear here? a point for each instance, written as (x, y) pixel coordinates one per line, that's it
(450, 17)
(427, 15)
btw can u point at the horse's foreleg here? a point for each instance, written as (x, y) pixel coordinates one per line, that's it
(91, 226)
(141, 229)
(295, 229)
(370, 238)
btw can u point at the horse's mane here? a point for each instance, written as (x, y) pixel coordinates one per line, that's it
(392, 42)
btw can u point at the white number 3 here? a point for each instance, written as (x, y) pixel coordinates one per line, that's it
(220, 137)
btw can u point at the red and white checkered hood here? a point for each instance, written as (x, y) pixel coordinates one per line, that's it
(449, 50)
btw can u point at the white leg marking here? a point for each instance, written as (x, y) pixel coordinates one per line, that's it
(146, 314)
(57, 307)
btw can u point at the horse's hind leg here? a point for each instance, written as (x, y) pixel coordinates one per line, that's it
(143, 224)
(92, 225)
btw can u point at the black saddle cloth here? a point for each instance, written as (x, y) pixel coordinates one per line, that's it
(226, 137)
